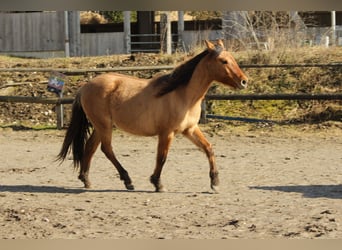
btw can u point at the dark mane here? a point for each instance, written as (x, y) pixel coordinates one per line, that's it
(180, 76)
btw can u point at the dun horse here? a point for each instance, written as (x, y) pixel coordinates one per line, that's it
(162, 106)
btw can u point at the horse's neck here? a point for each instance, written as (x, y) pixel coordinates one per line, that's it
(198, 85)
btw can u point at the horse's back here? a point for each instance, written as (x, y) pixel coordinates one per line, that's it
(120, 100)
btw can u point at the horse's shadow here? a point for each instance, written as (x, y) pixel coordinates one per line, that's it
(64, 190)
(60, 190)
(308, 191)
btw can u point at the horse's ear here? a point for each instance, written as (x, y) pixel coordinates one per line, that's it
(209, 45)
(220, 43)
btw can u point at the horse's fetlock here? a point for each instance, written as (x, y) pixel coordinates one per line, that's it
(85, 180)
(156, 182)
(129, 186)
(124, 176)
(214, 177)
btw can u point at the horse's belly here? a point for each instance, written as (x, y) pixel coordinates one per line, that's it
(135, 131)
(143, 126)
(149, 117)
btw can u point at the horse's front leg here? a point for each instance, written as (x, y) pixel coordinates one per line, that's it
(164, 142)
(197, 137)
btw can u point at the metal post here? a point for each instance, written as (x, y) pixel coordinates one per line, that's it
(168, 34)
(180, 29)
(66, 34)
(127, 31)
(333, 27)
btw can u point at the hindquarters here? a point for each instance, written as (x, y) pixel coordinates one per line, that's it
(76, 135)
(87, 103)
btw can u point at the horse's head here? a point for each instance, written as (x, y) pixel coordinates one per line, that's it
(223, 66)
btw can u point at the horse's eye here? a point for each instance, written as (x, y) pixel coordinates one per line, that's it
(224, 61)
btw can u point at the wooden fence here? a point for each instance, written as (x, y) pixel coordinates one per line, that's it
(42, 34)
(60, 101)
(39, 31)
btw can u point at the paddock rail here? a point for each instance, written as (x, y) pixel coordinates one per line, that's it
(60, 101)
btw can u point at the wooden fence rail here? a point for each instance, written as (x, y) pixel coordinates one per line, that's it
(204, 116)
(42, 100)
(69, 71)
(302, 96)
(240, 97)
(61, 101)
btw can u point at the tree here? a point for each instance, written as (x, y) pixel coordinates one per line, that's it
(262, 28)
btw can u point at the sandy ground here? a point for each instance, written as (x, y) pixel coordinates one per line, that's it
(274, 184)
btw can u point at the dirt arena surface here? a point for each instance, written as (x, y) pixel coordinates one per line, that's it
(275, 183)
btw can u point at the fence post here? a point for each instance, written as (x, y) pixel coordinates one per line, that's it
(165, 33)
(60, 113)
(203, 118)
(127, 31)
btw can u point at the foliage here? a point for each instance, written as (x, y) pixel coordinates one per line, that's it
(205, 15)
(117, 16)
(88, 17)
(103, 17)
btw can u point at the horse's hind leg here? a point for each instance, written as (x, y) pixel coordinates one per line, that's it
(106, 147)
(90, 148)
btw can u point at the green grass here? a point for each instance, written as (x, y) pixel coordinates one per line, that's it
(28, 126)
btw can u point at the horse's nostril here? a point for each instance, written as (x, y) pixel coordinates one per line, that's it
(244, 82)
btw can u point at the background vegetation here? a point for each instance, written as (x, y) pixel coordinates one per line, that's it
(287, 80)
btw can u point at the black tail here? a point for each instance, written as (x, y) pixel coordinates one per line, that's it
(76, 135)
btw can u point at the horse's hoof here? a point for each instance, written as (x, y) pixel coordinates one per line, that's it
(86, 184)
(161, 190)
(215, 188)
(129, 186)
(156, 183)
